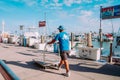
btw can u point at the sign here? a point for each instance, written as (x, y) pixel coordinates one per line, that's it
(21, 27)
(110, 12)
(117, 11)
(42, 23)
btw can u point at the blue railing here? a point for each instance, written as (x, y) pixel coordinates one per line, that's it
(9, 71)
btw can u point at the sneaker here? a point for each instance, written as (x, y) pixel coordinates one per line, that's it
(67, 74)
(57, 67)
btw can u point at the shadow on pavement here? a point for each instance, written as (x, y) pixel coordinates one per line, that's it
(24, 65)
(25, 54)
(30, 65)
(106, 69)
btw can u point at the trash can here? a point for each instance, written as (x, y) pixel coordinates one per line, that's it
(55, 47)
(24, 42)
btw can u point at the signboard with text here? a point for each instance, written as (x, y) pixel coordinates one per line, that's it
(110, 12)
(42, 23)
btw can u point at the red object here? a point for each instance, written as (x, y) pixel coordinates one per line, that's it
(107, 9)
(42, 23)
(108, 35)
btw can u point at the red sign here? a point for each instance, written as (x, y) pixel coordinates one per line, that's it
(42, 23)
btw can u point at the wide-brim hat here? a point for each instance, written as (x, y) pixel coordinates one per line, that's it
(61, 27)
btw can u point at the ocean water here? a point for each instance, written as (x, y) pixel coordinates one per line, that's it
(105, 47)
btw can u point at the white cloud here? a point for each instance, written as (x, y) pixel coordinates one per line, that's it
(97, 6)
(88, 1)
(88, 22)
(62, 14)
(56, 3)
(43, 2)
(85, 22)
(86, 13)
(54, 7)
(77, 1)
(91, 23)
(70, 2)
(30, 2)
(107, 25)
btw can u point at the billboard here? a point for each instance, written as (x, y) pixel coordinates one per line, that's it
(42, 23)
(110, 12)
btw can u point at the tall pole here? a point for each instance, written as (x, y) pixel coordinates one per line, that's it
(45, 23)
(72, 39)
(45, 26)
(100, 32)
(112, 27)
(3, 25)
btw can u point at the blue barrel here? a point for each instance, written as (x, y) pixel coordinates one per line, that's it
(55, 47)
(24, 42)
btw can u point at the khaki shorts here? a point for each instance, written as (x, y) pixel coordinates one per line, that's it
(64, 55)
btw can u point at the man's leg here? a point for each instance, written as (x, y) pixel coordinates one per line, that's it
(61, 63)
(66, 65)
(65, 61)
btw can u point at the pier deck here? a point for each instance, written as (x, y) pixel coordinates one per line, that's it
(20, 60)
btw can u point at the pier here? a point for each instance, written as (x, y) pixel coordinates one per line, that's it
(20, 60)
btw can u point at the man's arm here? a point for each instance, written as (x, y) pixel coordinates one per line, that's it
(51, 41)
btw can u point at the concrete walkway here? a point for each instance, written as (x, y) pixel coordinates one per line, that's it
(20, 60)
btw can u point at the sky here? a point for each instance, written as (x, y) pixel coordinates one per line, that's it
(75, 15)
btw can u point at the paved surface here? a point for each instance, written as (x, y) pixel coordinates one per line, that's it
(20, 61)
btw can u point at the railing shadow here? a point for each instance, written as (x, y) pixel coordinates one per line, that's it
(31, 65)
(24, 65)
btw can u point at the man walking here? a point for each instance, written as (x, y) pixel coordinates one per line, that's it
(63, 39)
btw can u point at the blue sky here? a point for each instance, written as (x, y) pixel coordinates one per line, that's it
(75, 15)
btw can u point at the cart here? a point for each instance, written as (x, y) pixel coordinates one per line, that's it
(47, 63)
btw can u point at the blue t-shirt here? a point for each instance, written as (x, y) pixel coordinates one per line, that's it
(63, 39)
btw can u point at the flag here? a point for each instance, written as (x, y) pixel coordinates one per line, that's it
(42, 23)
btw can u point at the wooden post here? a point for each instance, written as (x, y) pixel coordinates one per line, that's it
(72, 40)
(110, 56)
(42, 39)
(89, 40)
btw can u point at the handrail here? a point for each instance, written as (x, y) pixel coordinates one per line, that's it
(8, 71)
